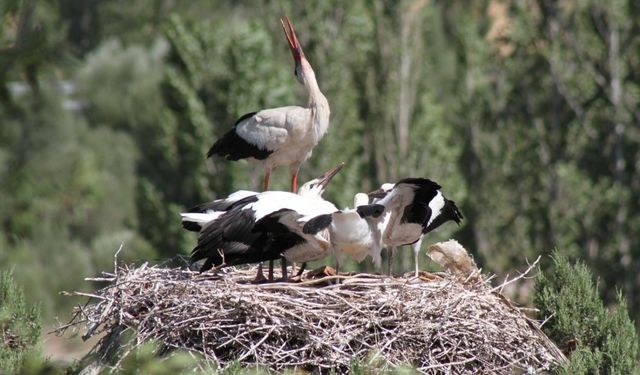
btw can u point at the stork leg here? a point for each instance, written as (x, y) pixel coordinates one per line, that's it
(337, 255)
(416, 252)
(301, 270)
(294, 182)
(259, 275)
(283, 264)
(390, 260)
(377, 261)
(417, 262)
(265, 187)
(270, 270)
(267, 175)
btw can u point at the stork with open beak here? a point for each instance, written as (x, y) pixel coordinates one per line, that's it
(413, 208)
(237, 234)
(283, 136)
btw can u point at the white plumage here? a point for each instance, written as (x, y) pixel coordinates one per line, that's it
(247, 226)
(308, 201)
(251, 227)
(271, 201)
(356, 234)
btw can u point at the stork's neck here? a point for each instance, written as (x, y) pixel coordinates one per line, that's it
(319, 107)
(316, 97)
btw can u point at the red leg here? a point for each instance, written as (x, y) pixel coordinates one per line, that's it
(294, 182)
(267, 174)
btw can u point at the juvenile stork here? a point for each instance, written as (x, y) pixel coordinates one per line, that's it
(244, 227)
(283, 136)
(351, 231)
(413, 208)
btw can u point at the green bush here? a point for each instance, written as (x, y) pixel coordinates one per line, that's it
(599, 340)
(19, 325)
(145, 360)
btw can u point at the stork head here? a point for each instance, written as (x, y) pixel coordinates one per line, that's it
(360, 199)
(382, 192)
(315, 187)
(302, 69)
(448, 211)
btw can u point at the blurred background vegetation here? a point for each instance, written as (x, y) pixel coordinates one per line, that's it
(526, 112)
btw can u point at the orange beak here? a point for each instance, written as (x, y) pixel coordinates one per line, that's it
(292, 39)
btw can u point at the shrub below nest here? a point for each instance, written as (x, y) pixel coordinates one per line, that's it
(436, 323)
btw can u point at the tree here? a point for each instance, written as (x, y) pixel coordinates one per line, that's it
(598, 340)
(535, 111)
(67, 188)
(19, 325)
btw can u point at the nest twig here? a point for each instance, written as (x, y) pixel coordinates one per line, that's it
(437, 323)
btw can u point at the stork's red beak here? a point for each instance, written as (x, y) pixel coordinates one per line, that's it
(290, 33)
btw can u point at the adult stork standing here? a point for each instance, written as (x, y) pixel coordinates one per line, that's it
(413, 208)
(245, 228)
(283, 136)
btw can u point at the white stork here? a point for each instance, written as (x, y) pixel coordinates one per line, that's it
(283, 136)
(413, 207)
(356, 232)
(351, 231)
(196, 217)
(296, 237)
(244, 227)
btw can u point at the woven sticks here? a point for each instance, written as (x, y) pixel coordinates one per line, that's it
(438, 323)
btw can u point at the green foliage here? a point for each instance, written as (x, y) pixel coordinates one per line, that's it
(69, 194)
(145, 360)
(370, 366)
(19, 325)
(36, 364)
(602, 341)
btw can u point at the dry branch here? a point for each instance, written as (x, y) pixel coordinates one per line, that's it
(436, 323)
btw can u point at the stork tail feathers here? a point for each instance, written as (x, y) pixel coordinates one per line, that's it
(195, 221)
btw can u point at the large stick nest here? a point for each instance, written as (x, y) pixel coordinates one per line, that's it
(438, 323)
